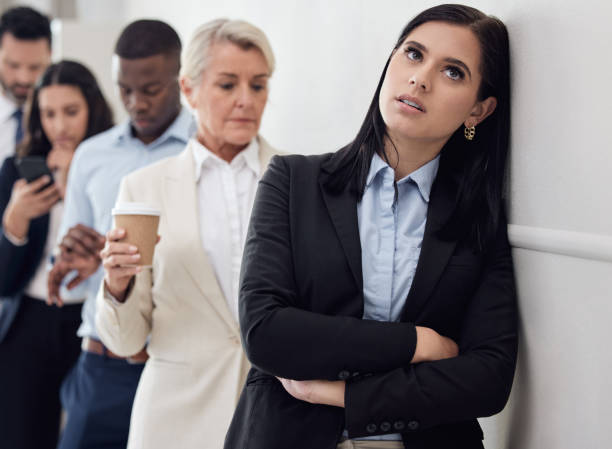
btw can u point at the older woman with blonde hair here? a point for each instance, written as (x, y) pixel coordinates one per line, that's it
(186, 304)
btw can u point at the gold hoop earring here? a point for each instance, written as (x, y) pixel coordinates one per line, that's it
(469, 133)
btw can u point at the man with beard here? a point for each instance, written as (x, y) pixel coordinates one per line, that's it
(25, 52)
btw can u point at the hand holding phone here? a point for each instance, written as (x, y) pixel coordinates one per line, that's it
(32, 168)
(29, 200)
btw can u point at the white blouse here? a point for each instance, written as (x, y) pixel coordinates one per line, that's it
(226, 192)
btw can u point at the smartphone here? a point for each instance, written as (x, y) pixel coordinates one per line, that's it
(32, 168)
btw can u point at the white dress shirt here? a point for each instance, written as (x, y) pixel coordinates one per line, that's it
(225, 192)
(8, 127)
(37, 287)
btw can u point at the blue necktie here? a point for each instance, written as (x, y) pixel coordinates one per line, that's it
(18, 115)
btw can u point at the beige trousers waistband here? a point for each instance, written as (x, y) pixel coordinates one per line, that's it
(365, 444)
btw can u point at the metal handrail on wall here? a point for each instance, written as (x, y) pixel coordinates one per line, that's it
(567, 243)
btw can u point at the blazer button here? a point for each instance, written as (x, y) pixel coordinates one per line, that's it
(399, 425)
(413, 425)
(343, 375)
(385, 426)
(371, 428)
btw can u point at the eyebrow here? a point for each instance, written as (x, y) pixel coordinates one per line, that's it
(151, 84)
(233, 75)
(69, 105)
(144, 86)
(455, 61)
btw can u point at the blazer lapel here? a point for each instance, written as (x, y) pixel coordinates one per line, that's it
(342, 209)
(435, 252)
(180, 200)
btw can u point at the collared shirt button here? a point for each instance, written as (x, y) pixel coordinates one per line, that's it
(371, 428)
(399, 425)
(385, 426)
(413, 425)
(343, 375)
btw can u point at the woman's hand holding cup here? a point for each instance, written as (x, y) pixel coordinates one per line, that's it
(129, 246)
(120, 261)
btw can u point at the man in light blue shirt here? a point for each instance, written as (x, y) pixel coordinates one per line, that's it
(99, 391)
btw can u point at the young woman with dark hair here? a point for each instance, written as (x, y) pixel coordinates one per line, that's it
(65, 73)
(38, 344)
(377, 301)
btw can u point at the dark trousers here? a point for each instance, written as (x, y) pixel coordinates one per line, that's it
(98, 395)
(37, 353)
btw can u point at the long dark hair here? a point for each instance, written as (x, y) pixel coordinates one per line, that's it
(478, 166)
(67, 73)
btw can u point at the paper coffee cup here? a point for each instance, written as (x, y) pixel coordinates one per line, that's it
(140, 221)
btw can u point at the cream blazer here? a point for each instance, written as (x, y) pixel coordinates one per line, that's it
(197, 367)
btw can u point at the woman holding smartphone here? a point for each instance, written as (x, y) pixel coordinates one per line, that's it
(38, 344)
(377, 302)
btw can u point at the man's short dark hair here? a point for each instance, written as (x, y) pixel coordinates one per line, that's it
(25, 24)
(144, 38)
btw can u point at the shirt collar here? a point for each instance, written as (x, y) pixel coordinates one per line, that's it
(7, 108)
(423, 177)
(182, 128)
(203, 157)
(376, 166)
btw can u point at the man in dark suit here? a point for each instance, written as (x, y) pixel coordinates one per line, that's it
(25, 52)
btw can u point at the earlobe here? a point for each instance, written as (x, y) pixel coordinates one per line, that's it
(187, 90)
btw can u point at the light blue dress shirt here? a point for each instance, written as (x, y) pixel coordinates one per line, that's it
(93, 185)
(392, 217)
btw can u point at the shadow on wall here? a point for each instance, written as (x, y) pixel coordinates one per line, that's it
(511, 428)
(516, 424)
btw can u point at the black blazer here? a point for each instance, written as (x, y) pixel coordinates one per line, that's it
(301, 308)
(18, 264)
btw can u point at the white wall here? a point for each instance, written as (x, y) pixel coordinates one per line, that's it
(560, 208)
(92, 43)
(330, 55)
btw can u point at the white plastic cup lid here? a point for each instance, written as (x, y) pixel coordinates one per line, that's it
(133, 208)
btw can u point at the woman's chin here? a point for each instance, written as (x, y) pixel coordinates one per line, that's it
(241, 138)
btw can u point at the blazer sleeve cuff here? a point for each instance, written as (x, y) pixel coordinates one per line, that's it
(15, 241)
(113, 317)
(114, 301)
(369, 412)
(121, 325)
